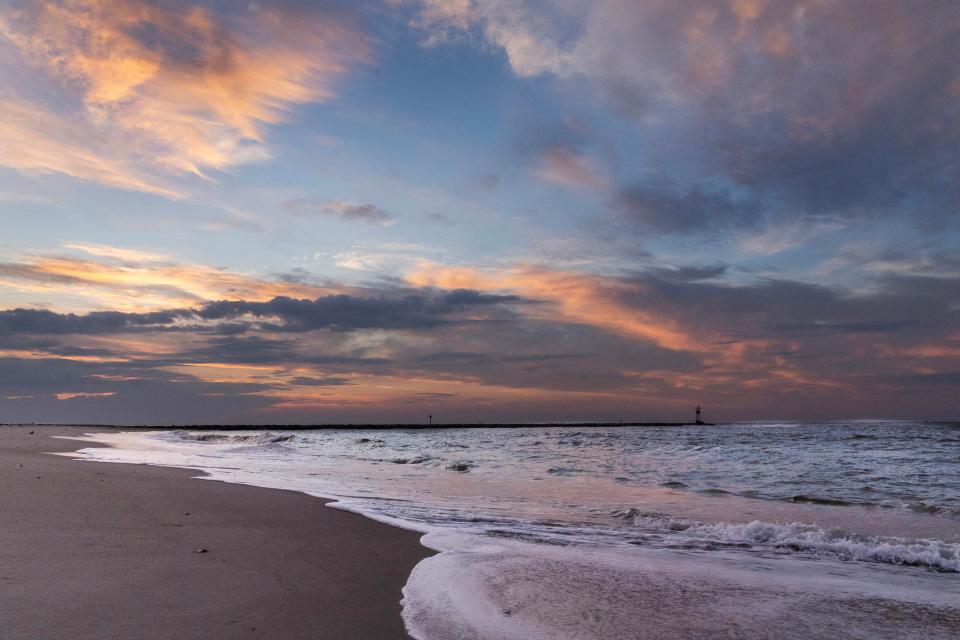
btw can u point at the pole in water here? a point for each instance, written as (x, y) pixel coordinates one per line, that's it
(698, 415)
(431, 419)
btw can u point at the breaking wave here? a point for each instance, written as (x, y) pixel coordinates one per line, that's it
(805, 538)
(259, 438)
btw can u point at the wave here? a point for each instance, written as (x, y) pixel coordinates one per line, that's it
(833, 502)
(257, 438)
(805, 538)
(713, 491)
(562, 471)
(418, 459)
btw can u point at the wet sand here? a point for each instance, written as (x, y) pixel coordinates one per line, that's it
(91, 550)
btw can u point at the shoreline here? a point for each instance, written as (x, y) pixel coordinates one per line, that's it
(108, 550)
(499, 587)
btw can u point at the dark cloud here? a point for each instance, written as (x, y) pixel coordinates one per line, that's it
(691, 273)
(949, 379)
(789, 109)
(346, 313)
(474, 358)
(247, 349)
(944, 288)
(405, 309)
(305, 381)
(924, 310)
(667, 206)
(299, 275)
(441, 218)
(349, 211)
(41, 321)
(866, 326)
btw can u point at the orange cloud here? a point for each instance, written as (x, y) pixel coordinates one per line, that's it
(163, 91)
(568, 168)
(590, 299)
(625, 307)
(119, 253)
(934, 351)
(70, 395)
(409, 389)
(31, 354)
(116, 280)
(34, 141)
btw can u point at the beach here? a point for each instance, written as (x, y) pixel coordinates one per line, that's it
(616, 533)
(92, 550)
(534, 533)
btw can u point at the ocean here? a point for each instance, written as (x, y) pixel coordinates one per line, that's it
(749, 530)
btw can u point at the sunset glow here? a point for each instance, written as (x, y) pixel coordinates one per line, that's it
(292, 212)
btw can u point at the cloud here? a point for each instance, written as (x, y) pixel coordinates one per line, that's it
(304, 381)
(348, 211)
(691, 273)
(37, 141)
(117, 253)
(664, 205)
(568, 168)
(133, 280)
(761, 333)
(73, 395)
(402, 309)
(576, 298)
(784, 235)
(119, 393)
(590, 343)
(384, 257)
(793, 108)
(43, 322)
(135, 93)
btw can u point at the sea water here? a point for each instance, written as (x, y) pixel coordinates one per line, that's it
(788, 530)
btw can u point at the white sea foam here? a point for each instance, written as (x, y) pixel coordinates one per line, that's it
(807, 539)
(256, 438)
(478, 588)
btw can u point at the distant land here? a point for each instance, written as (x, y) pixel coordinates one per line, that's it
(306, 427)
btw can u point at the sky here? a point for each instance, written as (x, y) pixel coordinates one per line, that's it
(482, 210)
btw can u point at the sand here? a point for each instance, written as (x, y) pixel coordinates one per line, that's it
(91, 550)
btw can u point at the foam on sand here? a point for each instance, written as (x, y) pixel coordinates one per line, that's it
(478, 588)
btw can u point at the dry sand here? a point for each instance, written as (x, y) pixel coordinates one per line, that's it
(91, 550)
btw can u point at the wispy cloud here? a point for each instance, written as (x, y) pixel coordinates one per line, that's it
(574, 297)
(118, 253)
(568, 168)
(146, 91)
(37, 141)
(134, 280)
(73, 395)
(348, 211)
